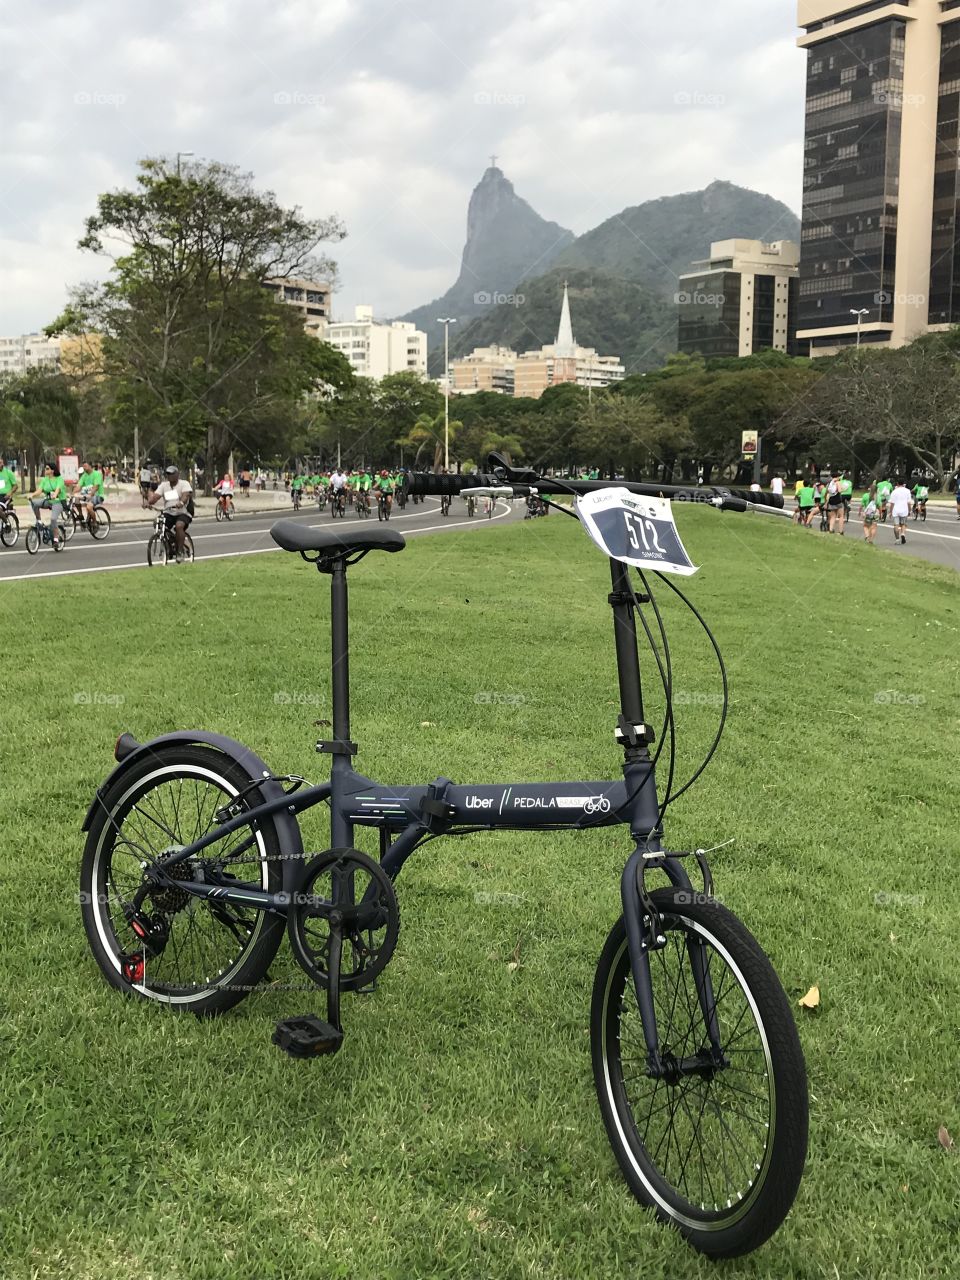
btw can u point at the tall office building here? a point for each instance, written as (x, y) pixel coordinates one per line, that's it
(740, 300)
(881, 194)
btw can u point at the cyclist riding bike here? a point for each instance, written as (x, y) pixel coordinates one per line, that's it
(8, 487)
(90, 491)
(177, 498)
(224, 492)
(365, 485)
(296, 490)
(384, 485)
(52, 494)
(921, 493)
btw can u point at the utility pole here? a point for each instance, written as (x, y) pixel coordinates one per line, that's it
(446, 321)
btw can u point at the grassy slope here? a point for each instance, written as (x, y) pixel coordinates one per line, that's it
(457, 1133)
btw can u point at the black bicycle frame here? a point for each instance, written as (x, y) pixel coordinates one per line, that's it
(408, 815)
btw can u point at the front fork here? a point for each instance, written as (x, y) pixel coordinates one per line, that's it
(644, 934)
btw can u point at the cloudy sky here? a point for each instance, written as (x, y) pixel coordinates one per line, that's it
(385, 112)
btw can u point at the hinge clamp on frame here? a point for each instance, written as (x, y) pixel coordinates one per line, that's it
(629, 734)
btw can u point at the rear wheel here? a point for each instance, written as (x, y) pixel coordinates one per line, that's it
(206, 953)
(9, 529)
(717, 1150)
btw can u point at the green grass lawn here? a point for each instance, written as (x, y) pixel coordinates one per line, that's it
(457, 1133)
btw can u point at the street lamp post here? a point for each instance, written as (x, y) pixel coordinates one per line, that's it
(446, 321)
(179, 154)
(859, 315)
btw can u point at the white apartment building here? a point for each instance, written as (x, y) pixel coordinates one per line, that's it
(375, 349)
(28, 351)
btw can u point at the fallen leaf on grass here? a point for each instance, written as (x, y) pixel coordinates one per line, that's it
(943, 1137)
(811, 999)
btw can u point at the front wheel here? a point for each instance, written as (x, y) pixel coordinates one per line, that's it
(68, 525)
(715, 1146)
(100, 526)
(157, 550)
(33, 541)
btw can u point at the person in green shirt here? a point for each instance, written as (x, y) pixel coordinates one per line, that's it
(921, 493)
(296, 490)
(90, 489)
(884, 490)
(805, 502)
(51, 493)
(8, 486)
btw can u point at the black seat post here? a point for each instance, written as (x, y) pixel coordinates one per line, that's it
(340, 651)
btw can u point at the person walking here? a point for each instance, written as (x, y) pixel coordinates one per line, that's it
(870, 512)
(899, 505)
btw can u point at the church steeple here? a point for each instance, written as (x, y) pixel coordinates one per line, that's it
(565, 345)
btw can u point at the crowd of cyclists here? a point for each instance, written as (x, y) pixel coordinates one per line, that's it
(77, 506)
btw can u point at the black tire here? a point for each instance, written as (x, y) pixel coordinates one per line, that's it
(220, 513)
(764, 1139)
(100, 528)
(157, 550)
(68, 523)
(142, 811)
(9, 529)
(33, 541)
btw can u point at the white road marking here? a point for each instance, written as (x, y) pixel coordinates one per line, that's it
(226, 555)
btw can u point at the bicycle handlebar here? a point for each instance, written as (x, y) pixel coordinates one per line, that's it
(522, 483)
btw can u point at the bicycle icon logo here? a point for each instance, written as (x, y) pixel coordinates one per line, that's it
(596, 804)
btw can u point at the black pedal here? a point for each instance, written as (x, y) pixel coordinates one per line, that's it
(307, 1036)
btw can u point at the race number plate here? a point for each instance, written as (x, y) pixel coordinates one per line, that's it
(638, 531)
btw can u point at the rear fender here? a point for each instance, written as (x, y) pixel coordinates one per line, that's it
(287, 825)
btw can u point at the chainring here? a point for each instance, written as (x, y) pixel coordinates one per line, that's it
(354, 885)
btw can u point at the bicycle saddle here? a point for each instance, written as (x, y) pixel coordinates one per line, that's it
(294, 536)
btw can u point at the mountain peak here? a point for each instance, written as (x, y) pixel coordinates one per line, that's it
(507, 241)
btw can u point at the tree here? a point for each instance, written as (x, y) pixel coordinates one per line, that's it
(193, 342)
(38, 416)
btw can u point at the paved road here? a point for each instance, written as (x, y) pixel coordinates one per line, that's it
(937, 540)
(247, 535)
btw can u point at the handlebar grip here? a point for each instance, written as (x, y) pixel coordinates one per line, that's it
(436, 486)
